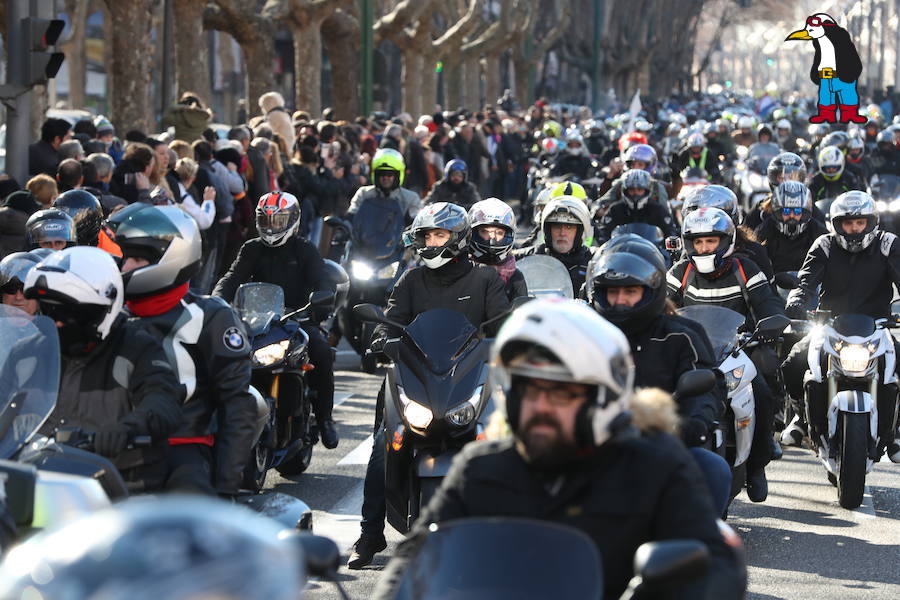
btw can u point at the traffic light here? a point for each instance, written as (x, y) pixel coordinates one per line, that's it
(38, 36)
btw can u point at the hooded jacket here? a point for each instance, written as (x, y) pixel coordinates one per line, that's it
(13, 215)
(189, 121)
(465, 194)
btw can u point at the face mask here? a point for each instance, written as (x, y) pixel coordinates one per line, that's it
(705, 263)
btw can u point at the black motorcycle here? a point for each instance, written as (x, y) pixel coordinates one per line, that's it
(280, 360)
(437, 400)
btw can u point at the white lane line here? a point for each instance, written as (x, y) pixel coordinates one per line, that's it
(341, 523)
(866, 510)
(346, 352)
(359, 455)
(339, 398)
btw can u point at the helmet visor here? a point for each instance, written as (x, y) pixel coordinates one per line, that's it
(273, 223)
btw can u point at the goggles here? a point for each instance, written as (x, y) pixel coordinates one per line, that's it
(817, 22)
(791, 211)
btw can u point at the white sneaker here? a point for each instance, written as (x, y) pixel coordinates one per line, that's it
(794, 433)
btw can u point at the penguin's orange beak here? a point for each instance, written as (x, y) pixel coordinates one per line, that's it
(800, 34)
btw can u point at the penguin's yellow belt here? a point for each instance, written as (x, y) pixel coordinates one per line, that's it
(827, 74)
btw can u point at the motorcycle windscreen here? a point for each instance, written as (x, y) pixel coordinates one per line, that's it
(440, 334)
(29, 376)
(885, 188)
(257, 304)
(651, 233)
(720, 324)
(545, 276)
(378, 229)
(500, 558)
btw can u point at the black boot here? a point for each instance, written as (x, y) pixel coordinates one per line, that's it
(364, 550)
(757, 485)
(328, 433)
(777, 452)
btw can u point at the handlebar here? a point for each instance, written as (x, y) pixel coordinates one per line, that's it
(78, 438)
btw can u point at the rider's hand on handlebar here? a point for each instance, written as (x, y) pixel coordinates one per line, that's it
(111, 442)
(377, 345)
(795, 311)
(694, 432)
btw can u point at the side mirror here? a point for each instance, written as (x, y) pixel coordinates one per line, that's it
(675, 562)
(787, 281)
(771, 326)
(372, 314)
(695, 383)
(321, 298)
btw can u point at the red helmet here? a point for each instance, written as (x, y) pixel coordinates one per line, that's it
(630, 139)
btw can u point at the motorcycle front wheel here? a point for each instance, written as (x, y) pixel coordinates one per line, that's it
(853, 454)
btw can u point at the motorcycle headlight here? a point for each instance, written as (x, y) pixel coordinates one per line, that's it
(758, 181)
(854, 358)
(388, 271)
(361, 270)
(733, 378)
(271, 354)
(463, 414)
(416, 415)
(881, 205)
(895, 205)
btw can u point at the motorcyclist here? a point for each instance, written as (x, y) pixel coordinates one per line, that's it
(764, 148)
(574, 159)
(50, 228)
(447, 279)
(115, 378)
(611, 190)
(857, 161)
(855, 268)
(787, 166)
(711, 274)
(388, 173)
(636, 208)
(204, 340)
(573, 453)
(711, 133)
(86, 212)
(696, 154)
(454, 187)
(886, 158)
(744, 136)
(790, 229)
(566, 225)
(723, 127)
(280, 256)
(832, 179)
(784, 136)
(14, 270)
(493, 233)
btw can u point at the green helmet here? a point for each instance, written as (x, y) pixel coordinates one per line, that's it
(388, 161)
(552, 129)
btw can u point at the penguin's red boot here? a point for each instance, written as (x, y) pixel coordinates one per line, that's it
(850, 114)
(827, 114)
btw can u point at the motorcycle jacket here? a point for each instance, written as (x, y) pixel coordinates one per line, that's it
(208, 347)
(620, 214)
(821, 188)
(886, 161)
(861, 167)
(409, 201)
(568, 164)
(785, 253)
(575, 261)
(757, 253)
(852, 282)
(465, 194)
(627, 492)
(658, 195)
(296, 266)
(125, 380)
(473, 290)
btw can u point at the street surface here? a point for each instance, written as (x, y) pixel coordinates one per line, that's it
(801, 545)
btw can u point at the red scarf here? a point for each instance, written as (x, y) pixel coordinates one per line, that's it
(158, 304)
(507, 268)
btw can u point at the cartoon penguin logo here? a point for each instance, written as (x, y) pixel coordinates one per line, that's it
(836, 68)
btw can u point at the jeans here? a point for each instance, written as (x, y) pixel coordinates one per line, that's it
(717, 474)
(834, 91)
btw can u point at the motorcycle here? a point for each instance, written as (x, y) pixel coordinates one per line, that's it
(734, 437)
(545, 276)
(669, 248)
(437, 399)
(886, 192)
(286, 434)
(851, 361)
(751, 180)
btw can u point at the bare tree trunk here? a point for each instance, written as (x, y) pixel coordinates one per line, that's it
(308, 67)
(337, 32)
(428, 90)
(412, 80)
(191, 53)
(521, 65)
(76, 61)
(471, 84)
(259, 63)
(492, 77)
(129, 69)
(453, 85)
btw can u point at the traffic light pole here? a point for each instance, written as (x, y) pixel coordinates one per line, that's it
(16, 96)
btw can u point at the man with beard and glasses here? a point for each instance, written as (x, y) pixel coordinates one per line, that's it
(575, 458)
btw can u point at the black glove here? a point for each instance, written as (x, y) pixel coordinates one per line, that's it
(694, 432)
(795, 311)
(111, 442)
(377, 345)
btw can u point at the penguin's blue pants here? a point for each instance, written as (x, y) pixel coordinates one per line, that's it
(834, 91)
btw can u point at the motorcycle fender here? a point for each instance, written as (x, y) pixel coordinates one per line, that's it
(262, 412)
(853, 401)
(812, 359)
(288, 511)
(743, 406)
(890, 358)
(429, 464)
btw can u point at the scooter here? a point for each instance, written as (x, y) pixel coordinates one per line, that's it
(437, 399)
(286, 434)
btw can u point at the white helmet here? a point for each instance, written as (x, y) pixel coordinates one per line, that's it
(745, 122)
(565, 340)
(831, 162)
(567, 209)
(81, 287)
(497, 213)
(541, 201)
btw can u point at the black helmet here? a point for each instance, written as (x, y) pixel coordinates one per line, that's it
(85, 210)
(336, 274)
(177, 548)
(836, 138)
(716, 196)
(49, 225)
(627, 265)
(441, 215)
(786, 166)
(788, 197)
(167, 237)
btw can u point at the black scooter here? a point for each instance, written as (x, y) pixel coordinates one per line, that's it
(437, 400)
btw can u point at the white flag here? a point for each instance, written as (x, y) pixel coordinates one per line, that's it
(635, 107)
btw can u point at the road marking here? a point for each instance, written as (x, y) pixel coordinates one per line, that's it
(346, 353)
(866, 510)
(341, 523)
(339, 398)
(359, 455)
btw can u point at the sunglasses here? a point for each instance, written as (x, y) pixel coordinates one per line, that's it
(791, 211)
(817, 22)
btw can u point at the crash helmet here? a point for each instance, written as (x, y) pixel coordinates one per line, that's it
(81, 288)
(550, 145)
(495, 213)
(86, 212)
(567, 210)
(763, 128)
(337, 275)
(178, 548)
(540, 202)
(441, 215)
(166, 237)
(723, 124)
(831, 163)
(536, 341)
(783, 125)
(885, 136)
(786, 166)
(388, 161)
(715, 196)
(641, 153)
(708, 222)
(838, 139)
(745, 122)
(636, 188)
(48, 226)
(455, 165)
(696, 140)
(818, 131)
(552, 129)
(575, 143)
(643, 125)
(569, 188)
(630, 139)
(856, 148)
(791, 197)
(620, 266)
(14, 270)
(851, 205)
